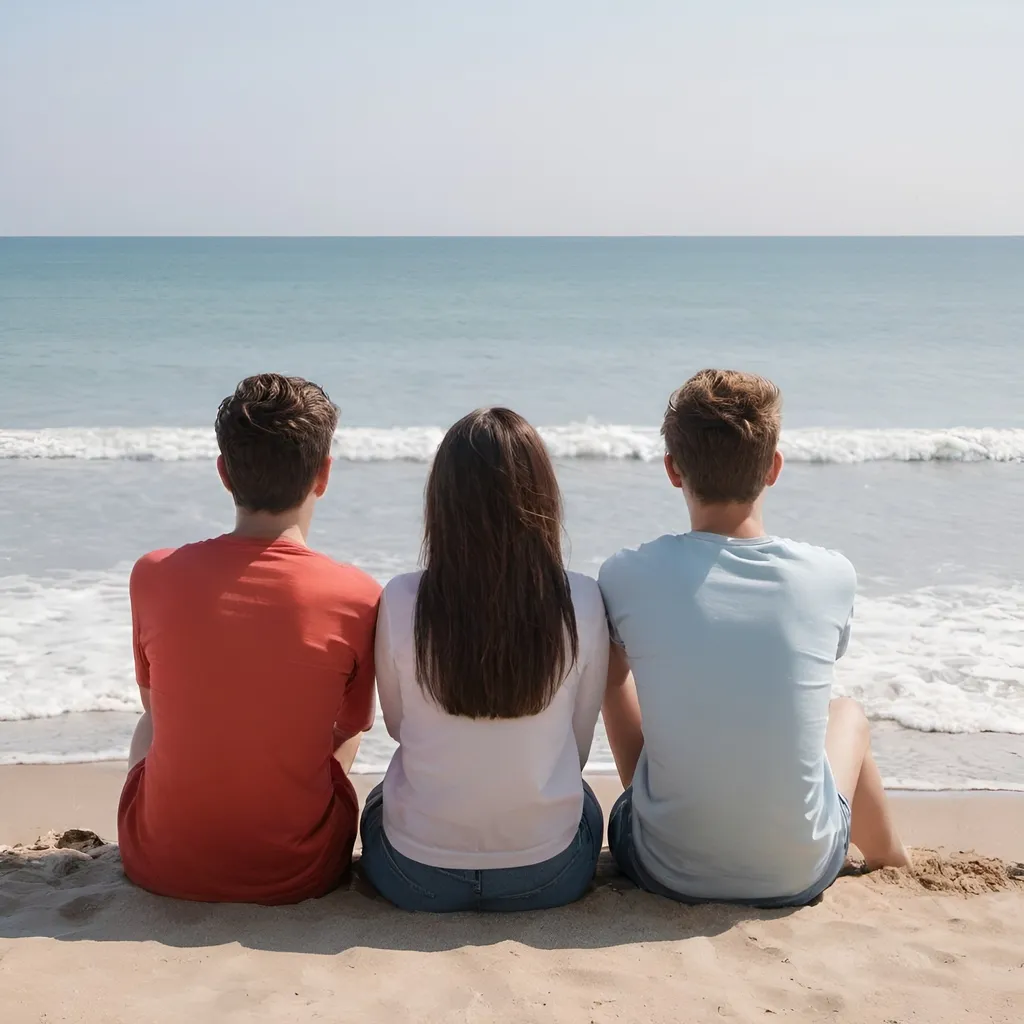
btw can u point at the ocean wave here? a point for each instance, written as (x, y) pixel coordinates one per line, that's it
(954, 786)
(588, 440)
(63, 757)
(939, 659)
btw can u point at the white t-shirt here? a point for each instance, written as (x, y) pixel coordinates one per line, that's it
(473, 794)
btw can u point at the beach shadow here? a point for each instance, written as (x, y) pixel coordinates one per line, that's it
(73, 894)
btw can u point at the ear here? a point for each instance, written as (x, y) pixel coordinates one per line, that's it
(672, 470)
(773, 474)
(323, 478)
(222, 471)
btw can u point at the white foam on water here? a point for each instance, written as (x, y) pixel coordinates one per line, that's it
(65, 757)
(940, 659)
(588, 440)
(965, 785)
(65, 645)
(983, 444)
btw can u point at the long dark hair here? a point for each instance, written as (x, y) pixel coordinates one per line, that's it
(495, 626)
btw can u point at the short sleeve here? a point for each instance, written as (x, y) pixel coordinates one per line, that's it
(137, 589)
(613, 632)
(358, 704)
(607, 587)
(593, 670)
(844, 637)
(848, 599)
(388, 683)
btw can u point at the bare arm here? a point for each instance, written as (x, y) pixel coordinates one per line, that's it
(142, 738)
(389, 689)
(621, 712)
(590, 693)
(359, 703)
(346, 750)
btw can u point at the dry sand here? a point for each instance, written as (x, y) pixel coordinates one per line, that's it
(78, 943)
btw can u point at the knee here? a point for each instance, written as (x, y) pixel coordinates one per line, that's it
(594, 817)
(620, 826)
(850, 713)
(845, 706)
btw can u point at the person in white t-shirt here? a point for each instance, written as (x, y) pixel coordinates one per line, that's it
(491, 667)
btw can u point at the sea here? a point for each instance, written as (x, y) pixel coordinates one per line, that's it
(901, 362)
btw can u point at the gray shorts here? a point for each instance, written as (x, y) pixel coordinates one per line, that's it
(620, 842)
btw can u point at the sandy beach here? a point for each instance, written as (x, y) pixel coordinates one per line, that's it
(79, 943)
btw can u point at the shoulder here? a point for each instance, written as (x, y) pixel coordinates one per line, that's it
(825, 562)
(586, 595)
(629, 563)
(184, 559)
(354, 581)
(149, 565)
(154, 558)
(407, 584)
(588, 606)
(357, 588)
(398, 609)
(400, 592)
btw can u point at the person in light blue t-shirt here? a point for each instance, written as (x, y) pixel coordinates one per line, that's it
(745, 781)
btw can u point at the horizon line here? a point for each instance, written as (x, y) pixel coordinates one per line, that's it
(511, 237)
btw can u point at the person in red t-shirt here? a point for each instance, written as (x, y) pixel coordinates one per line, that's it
(254, 658)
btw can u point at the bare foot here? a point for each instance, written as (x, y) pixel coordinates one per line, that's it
(897, 857)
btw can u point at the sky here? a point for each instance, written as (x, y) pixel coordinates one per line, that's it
(533, 117)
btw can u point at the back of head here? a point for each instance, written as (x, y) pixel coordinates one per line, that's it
(274, 434)
(495, 627)
(722, 430)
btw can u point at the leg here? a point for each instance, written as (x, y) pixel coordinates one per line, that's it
(556, 882)
(848, 748)
(141, 740)
(620, 836)
(404, 882)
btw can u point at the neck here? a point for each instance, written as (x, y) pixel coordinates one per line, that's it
(292, 525)
(741, 521)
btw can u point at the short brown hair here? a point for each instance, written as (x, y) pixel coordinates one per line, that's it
(495, 626)
(275, 433)
(722, 429)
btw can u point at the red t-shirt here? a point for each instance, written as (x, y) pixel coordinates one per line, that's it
(252, 651)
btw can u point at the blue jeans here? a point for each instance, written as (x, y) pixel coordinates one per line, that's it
(414, 886)
(620, 842)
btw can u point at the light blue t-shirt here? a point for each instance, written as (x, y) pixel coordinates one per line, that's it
(732, 645)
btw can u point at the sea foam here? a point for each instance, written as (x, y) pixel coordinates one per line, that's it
(587, 440)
